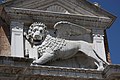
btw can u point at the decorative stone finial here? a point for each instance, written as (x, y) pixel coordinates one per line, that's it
(96, 4)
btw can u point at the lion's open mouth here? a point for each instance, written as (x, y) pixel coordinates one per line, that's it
(37, 40)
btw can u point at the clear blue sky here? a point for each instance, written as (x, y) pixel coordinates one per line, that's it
(113, 6)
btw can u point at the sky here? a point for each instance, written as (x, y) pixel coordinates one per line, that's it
(113, 33)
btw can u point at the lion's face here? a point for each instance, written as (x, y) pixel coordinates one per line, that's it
(37, 31)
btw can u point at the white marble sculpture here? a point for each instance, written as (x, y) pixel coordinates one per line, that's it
(51, 48)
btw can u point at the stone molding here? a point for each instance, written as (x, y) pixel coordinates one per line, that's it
(53, 17)
(77, 7)
(112, 72)
(25, 72)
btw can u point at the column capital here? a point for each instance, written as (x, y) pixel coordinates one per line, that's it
(98, 32)
(97, 35)
(17, 24)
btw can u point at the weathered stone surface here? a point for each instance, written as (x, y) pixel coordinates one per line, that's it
(112, 72)
(79, 12)
(50, 48)
(74, 7)
(50, 18)
(15, 61)
(23, 72)
(17, 44)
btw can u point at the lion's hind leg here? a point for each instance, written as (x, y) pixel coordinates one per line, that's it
(87, 49)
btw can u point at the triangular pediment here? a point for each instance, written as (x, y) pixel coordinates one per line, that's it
(79, 7)
(57, 8)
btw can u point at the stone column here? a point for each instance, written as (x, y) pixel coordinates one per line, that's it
(17, 39)
(98, 43)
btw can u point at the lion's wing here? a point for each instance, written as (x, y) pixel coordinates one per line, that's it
(66, 29)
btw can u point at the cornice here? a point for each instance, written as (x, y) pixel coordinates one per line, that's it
(53, 17)
(77, 7)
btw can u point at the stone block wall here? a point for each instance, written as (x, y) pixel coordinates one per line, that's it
(15, 68)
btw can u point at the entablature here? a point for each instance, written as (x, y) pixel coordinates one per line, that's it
(50, 18)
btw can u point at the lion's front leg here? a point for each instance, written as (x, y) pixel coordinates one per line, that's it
(47, 56)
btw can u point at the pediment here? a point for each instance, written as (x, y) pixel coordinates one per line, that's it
(57, 8)
(79, 7)
(72, 7)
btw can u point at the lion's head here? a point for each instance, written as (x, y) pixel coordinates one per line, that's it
(37, 32)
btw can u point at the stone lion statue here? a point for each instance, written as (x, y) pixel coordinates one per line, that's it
(53, 48)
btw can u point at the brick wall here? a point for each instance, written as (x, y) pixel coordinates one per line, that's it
(4, 43)
(4, 33)
(107, 48)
